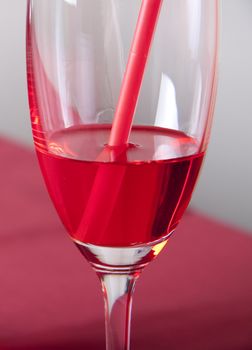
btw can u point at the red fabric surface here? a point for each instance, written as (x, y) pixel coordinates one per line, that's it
(197, 295)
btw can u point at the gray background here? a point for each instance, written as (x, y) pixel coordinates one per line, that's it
(225, 187)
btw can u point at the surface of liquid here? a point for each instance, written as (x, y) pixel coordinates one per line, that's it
(120, 197)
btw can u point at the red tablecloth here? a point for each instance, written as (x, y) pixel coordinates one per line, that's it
(197, 295)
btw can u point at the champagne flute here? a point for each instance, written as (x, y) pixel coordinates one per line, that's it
(120, 205)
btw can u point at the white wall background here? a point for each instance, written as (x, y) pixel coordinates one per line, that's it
(13, 101)
(225, 187)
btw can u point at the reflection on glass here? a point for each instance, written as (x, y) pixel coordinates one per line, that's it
(167, 112)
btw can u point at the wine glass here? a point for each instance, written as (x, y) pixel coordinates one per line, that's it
(120, 205)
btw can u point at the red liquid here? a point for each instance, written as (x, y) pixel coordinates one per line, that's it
(122, 199)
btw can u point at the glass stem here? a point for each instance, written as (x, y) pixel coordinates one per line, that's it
(117, 289)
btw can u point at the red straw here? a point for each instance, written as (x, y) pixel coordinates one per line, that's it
(107, 183)
(133, 76)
